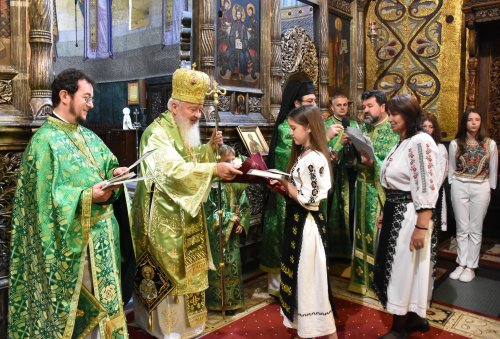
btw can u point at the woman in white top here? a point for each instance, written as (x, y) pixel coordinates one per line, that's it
(472, 174)
(305, 296)
(430, 126)
(403, 264)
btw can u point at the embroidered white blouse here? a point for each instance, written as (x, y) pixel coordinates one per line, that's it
(311, 176)
(412, 166)
(482, 163)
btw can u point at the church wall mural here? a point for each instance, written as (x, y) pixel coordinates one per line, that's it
(238, 43)
(413, 47)
(339, 64)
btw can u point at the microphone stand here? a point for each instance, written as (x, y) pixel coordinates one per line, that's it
(216, 91)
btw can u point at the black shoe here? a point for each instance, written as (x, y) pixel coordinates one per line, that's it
(230, 312)
(420, 326)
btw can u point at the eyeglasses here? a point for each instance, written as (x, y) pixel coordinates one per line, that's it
(89, 100)
(309, 101)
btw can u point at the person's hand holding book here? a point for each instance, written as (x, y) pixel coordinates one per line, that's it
(119, 171)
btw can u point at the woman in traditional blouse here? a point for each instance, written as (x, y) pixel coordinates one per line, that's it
(403, 265)
(472, 174)
(430, 126)
(304, 291)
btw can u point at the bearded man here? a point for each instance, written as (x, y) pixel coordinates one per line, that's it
(65, 247)
(370, 196)
(168, 221)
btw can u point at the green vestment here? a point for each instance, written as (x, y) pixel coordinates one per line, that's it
(168, 220)
(370, 198)
(55, 226)
(274, 211)
(339, 234)
(234, 204)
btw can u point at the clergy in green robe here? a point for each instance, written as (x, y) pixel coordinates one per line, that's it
(340, 203)
(168, 220)
(235, 220)
(65, 246)
(370, 195)
(298, 91)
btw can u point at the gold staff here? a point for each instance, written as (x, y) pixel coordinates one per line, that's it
(216, 91)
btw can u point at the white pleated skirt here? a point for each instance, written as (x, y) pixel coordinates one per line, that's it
(314, 316)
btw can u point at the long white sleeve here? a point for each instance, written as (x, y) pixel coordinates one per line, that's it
(493, 164)
(452, 162)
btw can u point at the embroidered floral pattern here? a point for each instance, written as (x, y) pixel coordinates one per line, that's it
(474, 163)
(422, 167)
(314, 184)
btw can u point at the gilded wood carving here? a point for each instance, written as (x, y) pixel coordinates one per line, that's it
(299, 55)
(406, 54)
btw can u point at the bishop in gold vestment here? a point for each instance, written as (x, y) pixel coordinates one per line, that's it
(168, 219)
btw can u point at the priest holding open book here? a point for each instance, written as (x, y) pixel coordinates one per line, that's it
(65, 250)
(169, 226)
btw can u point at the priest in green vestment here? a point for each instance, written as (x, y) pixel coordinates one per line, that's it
(340, 203)
(65, 246)
(298, 91)
(168, 221)
(235, 220)
(370, 196)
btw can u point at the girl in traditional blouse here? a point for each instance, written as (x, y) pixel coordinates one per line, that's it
(472, 173)
(304, 291)
(403, 264)
(430, 126)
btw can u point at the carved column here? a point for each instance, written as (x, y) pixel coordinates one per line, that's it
(323, 56)
(472, 64)
(206, 45)
(362, 8)
(19, 57)
(41, 67)
(276, 73)
(207, 37)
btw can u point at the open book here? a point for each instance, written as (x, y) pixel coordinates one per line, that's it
(270, 173)
(128, 176)
(360, 141)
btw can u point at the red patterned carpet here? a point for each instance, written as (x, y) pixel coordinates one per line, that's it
(355, 321)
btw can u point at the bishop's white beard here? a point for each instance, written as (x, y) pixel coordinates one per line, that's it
(190, 134)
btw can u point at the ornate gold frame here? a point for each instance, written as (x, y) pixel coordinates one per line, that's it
(257, 134)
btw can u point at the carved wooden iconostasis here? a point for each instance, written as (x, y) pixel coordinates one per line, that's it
(413, 47)
(482, 19)
(241, 47)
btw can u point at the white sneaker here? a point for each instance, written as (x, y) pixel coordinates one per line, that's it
(457, 272)
(467, 275)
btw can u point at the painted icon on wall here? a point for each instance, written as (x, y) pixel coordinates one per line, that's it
(338, 55)
(238, 43)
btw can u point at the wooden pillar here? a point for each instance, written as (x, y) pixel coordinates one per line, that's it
(362, 8)
(323, 56)
(276, 73)
(41, 66)
(472, 66)
(207, 17)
